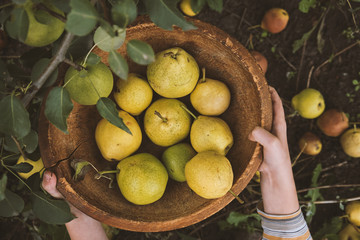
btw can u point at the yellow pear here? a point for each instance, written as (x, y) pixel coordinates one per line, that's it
(38, 166)
(113, 142)
(311, 144)
(309, 103)
(185, 6)
(211, 133)
(142, 178)
(353, 212)
(209, 174)
(173, 74)
(210, 97)
(350, 142)
(349, 232)
(166, 122)
(133, 95)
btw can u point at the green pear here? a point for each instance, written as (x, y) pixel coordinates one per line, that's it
(175, 159)
(309, 103)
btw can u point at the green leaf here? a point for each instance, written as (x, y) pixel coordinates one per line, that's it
(23, 167)
(305, 5)
(235, 218)
(56, 232)
(12, 205)
(316, 174)
(58, 107)
(29, 142)
(118, 64)
(165, 14)
(319, 38)
(80, 46)
(140, 52)
(39, 68)
(300, 42)
(53, 211)
(106, 26)
(123, 12)
(82, 18)
(107, 43)
(329, 228)
(107, 109)
(63, 5)
(216, 5)
(18, 25)
(355, 82)
(3, 182)
(197, 5)
(357, 88)
(15, 119)
(93, 59)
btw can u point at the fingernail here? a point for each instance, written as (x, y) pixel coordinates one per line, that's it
(251, 137)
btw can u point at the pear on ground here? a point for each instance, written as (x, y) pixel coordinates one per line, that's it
(260, 60)
(211, 134)
(175, 159)
(142, 178)
(353, 212)
(113, 142)
(333, 122)
(209, 174)
(166, 122)
(134, 94)
(350, 142)
(309, 103)
(275, 20)
(310, 143)
(173, 74)
(349, 232)
(210, 97)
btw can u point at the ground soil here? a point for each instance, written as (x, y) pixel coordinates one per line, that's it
(289, 73)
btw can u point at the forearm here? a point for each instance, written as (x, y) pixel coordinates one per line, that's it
(278, 190)
(84, 227)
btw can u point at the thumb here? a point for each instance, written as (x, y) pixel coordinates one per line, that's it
(262, 136)
(49, 184)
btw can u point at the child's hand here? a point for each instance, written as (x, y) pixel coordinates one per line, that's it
(275, 144)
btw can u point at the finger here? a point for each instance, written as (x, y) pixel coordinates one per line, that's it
(265, 138)
(49, 184)
(279, 123)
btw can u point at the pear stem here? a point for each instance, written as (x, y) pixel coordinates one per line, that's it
(109, 172)
(159, 115)
(236, 197)
(78, 67)
(203, 76)
(253, 27)
(188, 111)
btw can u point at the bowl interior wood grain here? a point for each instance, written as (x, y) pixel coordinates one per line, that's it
(224, 59)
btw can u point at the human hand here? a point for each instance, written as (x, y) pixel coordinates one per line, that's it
(275, 146)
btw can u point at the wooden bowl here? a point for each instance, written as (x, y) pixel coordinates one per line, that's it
(225, 59)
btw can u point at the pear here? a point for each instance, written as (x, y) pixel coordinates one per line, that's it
(210, 97)
(175, 159)
(350, 142)
(209, 174)
(166, 122)
(211, 134)
(311, 144)
(113, 142)
(353, 212)
(333, 122)
(260, 60)
(275, 20)
(349, 232)
(173, 74)
(309, 103)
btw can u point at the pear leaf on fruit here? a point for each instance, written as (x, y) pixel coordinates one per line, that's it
(106, 42)
(107, 109)
(18, 25)
(309, 103)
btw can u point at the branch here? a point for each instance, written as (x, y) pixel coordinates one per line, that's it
(55, 61)
(51, 12)
(332, 201)
(329, 186)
